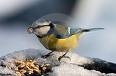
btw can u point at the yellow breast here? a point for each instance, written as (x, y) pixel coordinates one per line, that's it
(55, 44)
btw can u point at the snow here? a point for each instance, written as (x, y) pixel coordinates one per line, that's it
(66, 67)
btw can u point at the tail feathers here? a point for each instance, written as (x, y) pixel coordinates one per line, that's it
(91, 29)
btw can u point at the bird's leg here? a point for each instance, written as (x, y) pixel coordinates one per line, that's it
(64, 56)
(47, 55)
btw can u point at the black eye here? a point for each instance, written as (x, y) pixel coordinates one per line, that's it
(51, 25)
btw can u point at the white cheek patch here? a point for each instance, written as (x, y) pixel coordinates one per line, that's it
(43, 30)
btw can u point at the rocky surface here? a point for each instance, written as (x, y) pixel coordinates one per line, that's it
(77, 66)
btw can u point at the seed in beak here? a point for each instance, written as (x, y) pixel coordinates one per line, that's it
(30, 30)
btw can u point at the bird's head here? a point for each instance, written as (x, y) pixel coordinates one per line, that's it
(40, 29)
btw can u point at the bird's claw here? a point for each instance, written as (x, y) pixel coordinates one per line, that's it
(47, 55)
(59, 59)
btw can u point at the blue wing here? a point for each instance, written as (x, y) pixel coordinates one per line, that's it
(80, 30)
(61, 31)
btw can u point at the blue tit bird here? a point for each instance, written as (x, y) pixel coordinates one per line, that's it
(56, 37)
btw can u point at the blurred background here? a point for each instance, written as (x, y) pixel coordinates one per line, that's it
(17, 15)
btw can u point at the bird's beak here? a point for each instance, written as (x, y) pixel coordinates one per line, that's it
(30, 30)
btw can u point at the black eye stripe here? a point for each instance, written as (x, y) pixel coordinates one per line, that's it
(39, 26)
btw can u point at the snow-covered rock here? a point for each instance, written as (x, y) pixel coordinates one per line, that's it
(77, 66)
